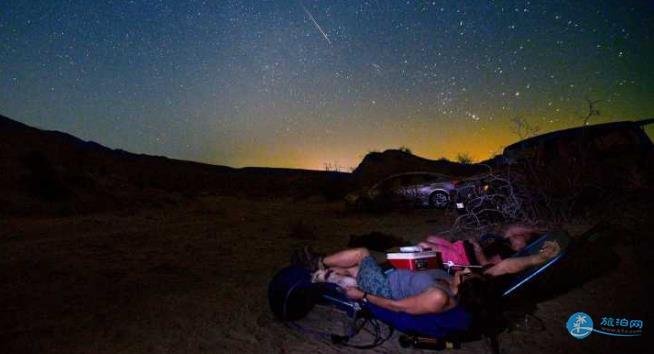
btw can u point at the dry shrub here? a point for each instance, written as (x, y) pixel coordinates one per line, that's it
(581, 183)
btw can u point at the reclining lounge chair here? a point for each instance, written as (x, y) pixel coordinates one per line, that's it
(292, 295)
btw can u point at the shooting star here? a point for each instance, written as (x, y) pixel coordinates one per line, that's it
(316, 23)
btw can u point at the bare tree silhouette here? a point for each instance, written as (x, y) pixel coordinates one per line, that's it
(464, 157)
(522, 128)
(592, 111)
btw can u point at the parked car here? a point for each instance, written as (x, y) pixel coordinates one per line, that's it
(417, 189)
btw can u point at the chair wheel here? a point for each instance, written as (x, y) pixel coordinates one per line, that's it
(405, 341)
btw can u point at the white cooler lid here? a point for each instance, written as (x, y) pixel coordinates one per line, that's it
(411, 255)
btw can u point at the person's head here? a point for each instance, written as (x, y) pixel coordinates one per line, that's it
(478, 294)
(520, 235)
(474, 291)
(496, 246)
(519, 242)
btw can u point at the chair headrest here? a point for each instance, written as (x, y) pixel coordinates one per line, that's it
(560, 237)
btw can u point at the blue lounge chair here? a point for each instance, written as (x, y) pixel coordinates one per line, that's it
(292, 295)
(534, 247)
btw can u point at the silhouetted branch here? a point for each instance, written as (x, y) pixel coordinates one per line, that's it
(592, 111)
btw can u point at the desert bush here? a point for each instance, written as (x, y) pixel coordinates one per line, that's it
(581, 182)
(464, 158)
(557, 188)
(494, 199)
(332, 167)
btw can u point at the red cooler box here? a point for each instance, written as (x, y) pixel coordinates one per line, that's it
(415, 260)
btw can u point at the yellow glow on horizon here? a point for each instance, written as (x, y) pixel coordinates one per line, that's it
(320, 147)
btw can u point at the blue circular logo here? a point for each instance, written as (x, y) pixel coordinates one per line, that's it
(579, 325)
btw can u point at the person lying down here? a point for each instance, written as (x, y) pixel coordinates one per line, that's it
(430, 291)
(330, 276)
(423, 292)
(506, 266)
(489, 250)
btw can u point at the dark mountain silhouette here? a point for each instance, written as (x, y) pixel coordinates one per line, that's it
(599, 139)
(55, 172)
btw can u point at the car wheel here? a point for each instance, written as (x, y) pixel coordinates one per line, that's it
(439, 200)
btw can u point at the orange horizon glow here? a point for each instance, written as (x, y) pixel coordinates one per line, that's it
(480, 141)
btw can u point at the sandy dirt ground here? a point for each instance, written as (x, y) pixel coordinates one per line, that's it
(193, 279)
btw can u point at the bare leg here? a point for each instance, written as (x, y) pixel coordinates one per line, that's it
(351, 271)
(346, 259)
(331, 276)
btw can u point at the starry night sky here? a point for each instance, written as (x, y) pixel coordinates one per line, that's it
(304, 83)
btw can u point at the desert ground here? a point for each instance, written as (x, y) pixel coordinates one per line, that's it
(192, 277)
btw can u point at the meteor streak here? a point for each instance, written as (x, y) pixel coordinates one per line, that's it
(316, 24)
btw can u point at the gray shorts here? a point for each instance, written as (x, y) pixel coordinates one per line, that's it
(371, 278)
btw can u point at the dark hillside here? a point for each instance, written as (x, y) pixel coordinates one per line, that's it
(53, 172)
